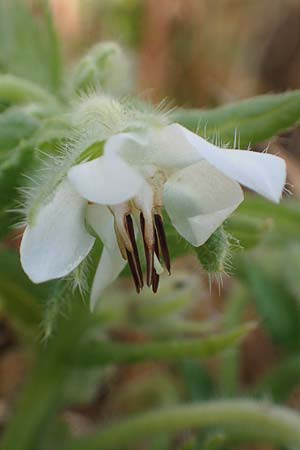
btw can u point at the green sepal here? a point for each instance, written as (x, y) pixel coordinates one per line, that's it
(213, 254)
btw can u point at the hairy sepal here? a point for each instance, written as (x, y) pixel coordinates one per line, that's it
(93, 119)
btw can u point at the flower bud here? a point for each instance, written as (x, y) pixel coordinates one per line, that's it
(214, 254)
(105, 67)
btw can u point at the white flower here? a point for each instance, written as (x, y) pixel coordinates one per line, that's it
(123, 192)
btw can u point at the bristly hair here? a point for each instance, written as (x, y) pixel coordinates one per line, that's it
(79, 277)
(93, 118)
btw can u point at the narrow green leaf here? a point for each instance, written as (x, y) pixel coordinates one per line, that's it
(12, 170)
(280, 382)
(228, 379)
(16, 157)
(268, 423)
(105, 353)
(284, 217)
(55, 58)
(53, 130)
(16, 90)
(28, 45)
(278, 309)
(253, 120)
(54, 305)
(248, 230)
(19, 297)
(15, 125)
(199, 383)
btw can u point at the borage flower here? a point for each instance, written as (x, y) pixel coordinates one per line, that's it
(121, 195)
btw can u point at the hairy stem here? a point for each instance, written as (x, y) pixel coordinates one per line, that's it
(276, 425)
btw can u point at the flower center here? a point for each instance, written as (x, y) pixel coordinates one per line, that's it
(146, 209)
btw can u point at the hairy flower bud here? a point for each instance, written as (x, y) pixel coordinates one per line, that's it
(105, 67)
(214, 254)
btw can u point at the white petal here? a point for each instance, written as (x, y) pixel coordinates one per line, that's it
(58, 241)
(107, 180)
(111, 262)
(198, 199)
(262, 172)
(138, 149)
(110, 266)
(172, 150)
(131, 147)
(102, 221)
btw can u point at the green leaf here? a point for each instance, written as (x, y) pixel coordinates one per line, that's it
(19, 297)
(15, 125)
(248, 230)
(199, 383)
(278, 309)
(28, 45)
(263, 421)
(283, 219)
(16, 90)
(16, 157)
(12, 171)
(253, 120)
(54, 130)
(105, 353)
(57, 435)
(55, 304)
(228, 379)
(280, 382)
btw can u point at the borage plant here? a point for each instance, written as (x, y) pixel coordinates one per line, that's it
(142, 168)
(111, 180)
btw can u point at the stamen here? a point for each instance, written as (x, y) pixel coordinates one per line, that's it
(120, 212)
(162, 241)
(134, 254)
(148, 252)
(134, 272)
(155, 276)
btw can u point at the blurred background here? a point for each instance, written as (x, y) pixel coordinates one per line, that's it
(195, 53)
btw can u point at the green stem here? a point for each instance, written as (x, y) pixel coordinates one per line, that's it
(100, 353)
(16, 90)
(230, 364)
(55, 57)
(276, 425)
(43, 394)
